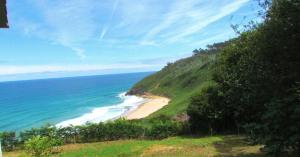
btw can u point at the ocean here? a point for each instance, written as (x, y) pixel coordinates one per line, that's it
(66, 101)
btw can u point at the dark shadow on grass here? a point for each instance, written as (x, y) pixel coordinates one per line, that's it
(237, 146)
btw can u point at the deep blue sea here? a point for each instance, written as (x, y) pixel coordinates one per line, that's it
(65, 101)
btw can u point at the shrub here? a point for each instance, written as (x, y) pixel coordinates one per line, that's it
(46, 130)
(121, 129)
(39, 146)
(8, 140)
(163, 129)
(204, 110)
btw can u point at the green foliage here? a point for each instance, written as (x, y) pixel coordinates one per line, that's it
(257, 76)
(43, 141)
(68, 134)
(163, 129)
(204, 109)
(39, 146)
(46, 130)
(180, 80)
(8, 140)
(119, 129)
(112, 130)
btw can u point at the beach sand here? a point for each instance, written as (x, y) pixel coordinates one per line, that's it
(153, 103)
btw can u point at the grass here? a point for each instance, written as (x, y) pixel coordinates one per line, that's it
(214, 146)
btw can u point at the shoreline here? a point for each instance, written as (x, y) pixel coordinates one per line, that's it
(136, 107)
(152, 104)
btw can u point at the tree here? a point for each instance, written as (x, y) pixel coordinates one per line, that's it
(162, 129)
(258, 73)
(204, 110)
(258, 77)
(196, 51)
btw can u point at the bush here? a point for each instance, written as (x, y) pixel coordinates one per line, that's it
(46, 130)
(43, 141)
(39, 146)
(204, 110)
(69, 134)
(163, 129)
(111, 130)
(8, 140)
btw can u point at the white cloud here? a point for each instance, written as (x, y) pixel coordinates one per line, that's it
(103, 32)
(176, 13)
(105, 29)
(67, 23)
(79, 52)
(132, 23)
(30, 69)
(205, 21)
(148, 43)
(136, 17)
(186, 18)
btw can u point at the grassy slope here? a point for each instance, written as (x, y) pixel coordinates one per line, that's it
(178, 81)
(171, 147)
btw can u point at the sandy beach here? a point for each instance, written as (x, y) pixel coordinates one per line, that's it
(152, 104)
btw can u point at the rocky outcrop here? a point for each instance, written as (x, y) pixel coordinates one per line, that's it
(135, 91)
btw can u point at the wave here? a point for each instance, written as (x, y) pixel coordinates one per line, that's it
(100, 114)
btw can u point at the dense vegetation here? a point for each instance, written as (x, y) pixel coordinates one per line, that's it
(41, 141)
(251, 87)
(256, 84)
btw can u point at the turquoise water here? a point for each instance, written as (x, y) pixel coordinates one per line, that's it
(65, 101)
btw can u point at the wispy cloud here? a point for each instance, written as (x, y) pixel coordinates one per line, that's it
(138, 28)
(103, 32)
(79, 52)
(106, 27)
(186, 18)
(176, 13)
(67, 23)
(205, 21)
(148, 23)
(30, 69)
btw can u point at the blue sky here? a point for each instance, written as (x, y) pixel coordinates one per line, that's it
(69, 37)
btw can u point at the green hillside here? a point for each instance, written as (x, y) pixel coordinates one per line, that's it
(180, 80)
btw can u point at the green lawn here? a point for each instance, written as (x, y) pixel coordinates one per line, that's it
(172, 147)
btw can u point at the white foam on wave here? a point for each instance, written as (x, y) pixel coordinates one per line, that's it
(101, 114)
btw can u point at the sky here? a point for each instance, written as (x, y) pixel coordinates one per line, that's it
(58, 38)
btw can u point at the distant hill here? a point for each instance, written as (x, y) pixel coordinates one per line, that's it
(180, 80)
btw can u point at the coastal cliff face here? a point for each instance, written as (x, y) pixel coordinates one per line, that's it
(180, 80)
(135, 91)
(182, 73)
